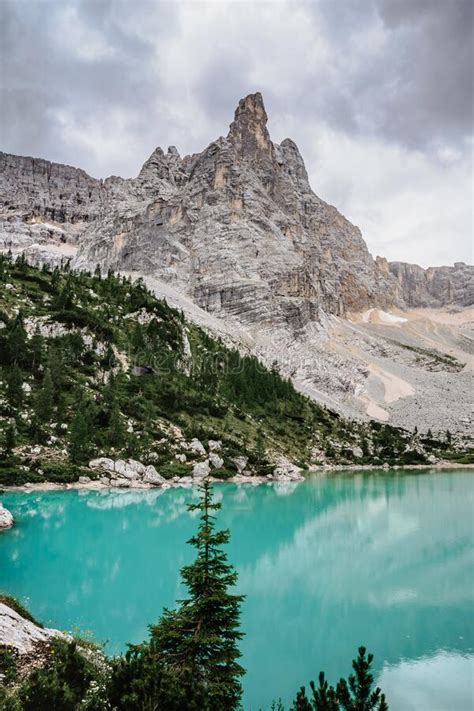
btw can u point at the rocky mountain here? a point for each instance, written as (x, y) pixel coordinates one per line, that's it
(436, 286)
(237, 227)
(237, 232)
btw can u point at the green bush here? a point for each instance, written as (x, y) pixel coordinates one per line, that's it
(223, 473)
(175, 469)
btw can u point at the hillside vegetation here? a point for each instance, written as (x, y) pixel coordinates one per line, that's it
(96, 365)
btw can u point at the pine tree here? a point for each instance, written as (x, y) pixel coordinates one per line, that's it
(9, 439)
(37, 350)
(44, 403)
(199, 639)
(14, 381)
(353, 695)
(17, 346)
(356, 694)
(79, 442)
(116, 434)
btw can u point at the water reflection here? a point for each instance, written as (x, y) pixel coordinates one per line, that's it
(443, 682)
(326, 565)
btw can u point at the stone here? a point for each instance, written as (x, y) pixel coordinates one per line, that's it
(240, 463)
(21, 634)
(102, 464)
(84, 479)
(201, 470)
(151, 476)
(216, 461)
(6, 518)
(215, 445)
(128, 470)
(357, 452)
(287, 471)
(181, 458)
(196, 446)
(136, 466)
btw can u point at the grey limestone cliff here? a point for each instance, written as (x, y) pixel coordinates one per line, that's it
(236, 227)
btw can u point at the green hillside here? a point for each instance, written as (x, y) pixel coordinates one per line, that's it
(94, 366)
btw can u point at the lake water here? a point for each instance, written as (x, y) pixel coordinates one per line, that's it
(380, 559)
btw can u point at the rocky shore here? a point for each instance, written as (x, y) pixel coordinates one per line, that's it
(86, 483)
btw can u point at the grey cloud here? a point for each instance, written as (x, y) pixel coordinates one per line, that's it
(417, 90)
(39, 76)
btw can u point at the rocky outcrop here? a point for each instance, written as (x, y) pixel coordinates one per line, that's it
(125, 474)
(236, 227)
(436, 286)
(21, 634)
(6, 518)
(287, 471)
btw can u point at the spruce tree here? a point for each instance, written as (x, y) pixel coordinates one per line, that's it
(14, 381)
(45, 400)
(9, 439)
(199, 639)
(355, 694)
(79, 444)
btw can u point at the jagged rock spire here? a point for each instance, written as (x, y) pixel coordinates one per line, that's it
(248, 131)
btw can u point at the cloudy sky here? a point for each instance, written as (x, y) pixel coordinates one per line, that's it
(377, 94)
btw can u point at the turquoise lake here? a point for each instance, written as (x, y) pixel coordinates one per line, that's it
(381, 559)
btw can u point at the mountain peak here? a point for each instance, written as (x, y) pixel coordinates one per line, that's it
(248, 131)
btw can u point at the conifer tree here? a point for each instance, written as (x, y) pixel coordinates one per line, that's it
(14, 381)
(79, 443)
(355, 694)
(17, 341)
(9, 439)
(45, 400)
(37, 350)
(199, 639)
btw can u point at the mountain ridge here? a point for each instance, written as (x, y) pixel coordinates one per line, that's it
(246, 184)
(238, 233)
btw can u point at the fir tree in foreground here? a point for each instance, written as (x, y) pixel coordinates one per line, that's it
(193, 651)
(355, 694)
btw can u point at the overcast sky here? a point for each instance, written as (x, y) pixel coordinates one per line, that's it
(377, 94)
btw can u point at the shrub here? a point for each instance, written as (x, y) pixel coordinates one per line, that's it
(175, 469)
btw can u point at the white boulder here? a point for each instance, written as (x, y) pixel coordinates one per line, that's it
(6, 518)
(216, 461)
(151, 476)
(196, 446)
(215, 445)
(287, 471)
(130, 469)
(102, 464)
(240, 463)
(201, 470)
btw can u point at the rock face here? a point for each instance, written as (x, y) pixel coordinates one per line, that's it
(236, 227)
(130, 473)
(436, 286)
(236, 238)
(21, 634)
(6, 518)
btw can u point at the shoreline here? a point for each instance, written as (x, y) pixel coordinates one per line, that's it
(251, 480)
